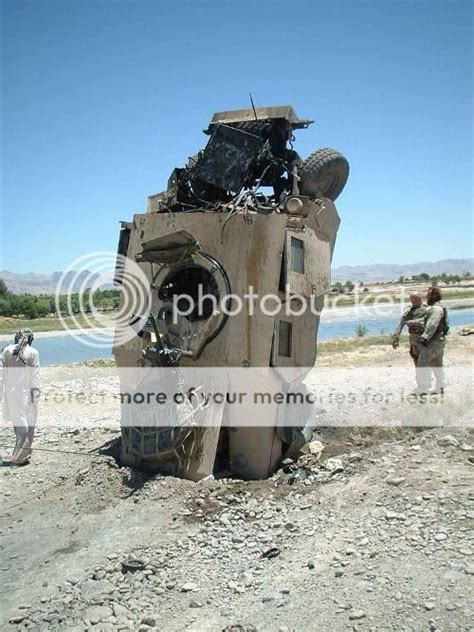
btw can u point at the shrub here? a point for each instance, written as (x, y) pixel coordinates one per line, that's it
(360, 331)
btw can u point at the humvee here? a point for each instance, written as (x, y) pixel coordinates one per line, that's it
(245, 212)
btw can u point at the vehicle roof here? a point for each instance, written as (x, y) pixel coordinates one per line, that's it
(260, 114)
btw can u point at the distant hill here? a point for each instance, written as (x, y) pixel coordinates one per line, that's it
(34, 283)
(393, 271)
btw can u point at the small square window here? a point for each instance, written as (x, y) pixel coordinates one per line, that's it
(284, 339)
(297, 255)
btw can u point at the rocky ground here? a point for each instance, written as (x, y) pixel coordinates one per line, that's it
(374, 532)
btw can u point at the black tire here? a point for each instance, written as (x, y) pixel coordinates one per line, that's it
(324, 174)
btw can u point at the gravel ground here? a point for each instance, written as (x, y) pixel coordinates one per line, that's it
(372, 533)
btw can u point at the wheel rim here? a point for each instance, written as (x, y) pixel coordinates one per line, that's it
(329, 183)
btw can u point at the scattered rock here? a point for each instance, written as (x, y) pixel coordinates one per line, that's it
(149, 621)
(395, 480)
(333, 465)
(93, 590)
(272, 595)
(119, 610)
(448, 440)
(356, 615)
(393, 515)
(96, 614)
(314, 447)
(273, 551)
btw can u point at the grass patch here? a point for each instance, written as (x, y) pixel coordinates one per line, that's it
(9, 325)
(461, 306)
(350, 344)
(389, 297)
(457, 294)
(93, 364)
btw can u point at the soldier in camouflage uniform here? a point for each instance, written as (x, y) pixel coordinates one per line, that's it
(430, 358)
(416, 312)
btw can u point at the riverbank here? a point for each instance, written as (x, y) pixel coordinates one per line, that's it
(50, 324)
(60, 333)
(389, 294)
(56, 327)
(363, 311)
(339, 328)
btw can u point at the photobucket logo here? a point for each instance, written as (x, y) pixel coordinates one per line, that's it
(185, 305)
(103, 295)
(363, 305)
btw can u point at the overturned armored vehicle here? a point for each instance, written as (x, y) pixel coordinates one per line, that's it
(246, 217)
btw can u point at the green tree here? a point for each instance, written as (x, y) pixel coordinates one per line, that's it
(43, 307)
(5, 306)
(15, 304)
(3, 288)
(28, 306)
(63, 305)
(421, 277)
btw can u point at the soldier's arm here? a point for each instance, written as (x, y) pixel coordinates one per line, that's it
(401, 324)
(432, 323)
(34, 377)
(416, 324)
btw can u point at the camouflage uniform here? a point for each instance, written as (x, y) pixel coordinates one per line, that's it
(415, 331)
(432, 348)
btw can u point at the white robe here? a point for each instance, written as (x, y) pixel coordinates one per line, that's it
(21, 389)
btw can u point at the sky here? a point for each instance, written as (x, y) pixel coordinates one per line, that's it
(102, 99)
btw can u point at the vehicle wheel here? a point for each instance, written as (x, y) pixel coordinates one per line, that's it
(324, 174)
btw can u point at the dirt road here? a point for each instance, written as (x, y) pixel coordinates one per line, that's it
(379, 537)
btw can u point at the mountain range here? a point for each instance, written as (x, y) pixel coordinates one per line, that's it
(393, 271)
(34, 283)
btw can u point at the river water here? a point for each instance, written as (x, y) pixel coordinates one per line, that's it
(342, 323)
(337, 323)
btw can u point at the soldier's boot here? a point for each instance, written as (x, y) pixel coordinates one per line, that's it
(423, 380)
(440, 380)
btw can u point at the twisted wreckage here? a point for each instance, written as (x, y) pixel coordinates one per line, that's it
(245, 212)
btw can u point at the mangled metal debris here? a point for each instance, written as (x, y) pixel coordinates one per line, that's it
(247, 152)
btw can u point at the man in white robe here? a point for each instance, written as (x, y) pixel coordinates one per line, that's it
(20, 389)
